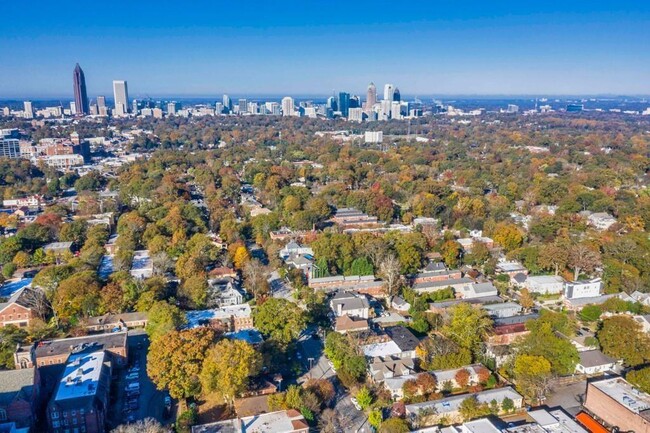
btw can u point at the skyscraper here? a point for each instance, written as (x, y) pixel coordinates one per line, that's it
(227, 103)
(243, 106)
(121, 96)
(389, 91)
(396, 95)
(287, 106)
(80, 95)
(101, 101)
(371, 97)
(28, 111)
(344, 103)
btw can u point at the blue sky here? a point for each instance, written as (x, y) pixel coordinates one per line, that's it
(205, 48)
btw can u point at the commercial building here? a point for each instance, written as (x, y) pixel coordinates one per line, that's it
(121, 97)
(288, 108)
(616, 402)
(371, 97)
(544, 284)
(80, 95)
(9, 147)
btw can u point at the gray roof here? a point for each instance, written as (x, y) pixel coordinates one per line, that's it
(22, 297)
(594, 358)
(404, 338)
(64, 345)
(442, 284)
(117, 318)
(349, 301)
(514, 320)
(15, 382)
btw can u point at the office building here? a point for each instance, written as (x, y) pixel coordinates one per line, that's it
(227, 103)
(344, 103)
(371, 97)
(356, 115)
(331, 103)
(389, 91)
(395, 110)
(80, 95)
(121, 95)
(28, 112)
(243, 106)
(73, 108)
(288, 106)
(512, 109)
(396, 95)
(618, 403)
(101, 101)
(9, 147)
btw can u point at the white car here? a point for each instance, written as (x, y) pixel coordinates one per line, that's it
(355, 403)
(331, 364)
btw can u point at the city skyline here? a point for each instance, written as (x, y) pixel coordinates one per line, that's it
(590, 48)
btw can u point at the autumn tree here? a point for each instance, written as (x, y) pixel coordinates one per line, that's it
(241, 257)
(462, 378)
(525, 299)
(583, 259)
(279, 319)
(228, 367)
(467, 326)
(532, 374)
(77, 296)
(553, 256)
(175, 362)
(163, 319)
(509, 236)
(621, 337)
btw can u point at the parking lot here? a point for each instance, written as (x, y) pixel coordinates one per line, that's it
(135, 397)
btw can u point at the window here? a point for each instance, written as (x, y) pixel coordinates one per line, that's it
(73, 412)
(82, 411)
(3, 415)
(74, 421)
(56, 424)
(55, 414)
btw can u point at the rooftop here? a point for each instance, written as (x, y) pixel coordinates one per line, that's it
(594, 358)
(67, 345)
(624, 394)
(286, 421)
(13, 382)
(452, 404)
(404, 338)
(81, 375)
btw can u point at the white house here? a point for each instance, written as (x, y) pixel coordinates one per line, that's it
(294, 248)
(223, 292)
(594, 362)
(141, 266)
(583, 288)
(544, 284)
(350, 304)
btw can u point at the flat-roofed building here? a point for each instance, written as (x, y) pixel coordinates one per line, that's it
(619, 404)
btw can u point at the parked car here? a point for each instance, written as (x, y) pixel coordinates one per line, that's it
(355, 403)
(133, 376)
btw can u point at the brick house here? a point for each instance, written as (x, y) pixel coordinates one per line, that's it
(21, 308)
(19, 394)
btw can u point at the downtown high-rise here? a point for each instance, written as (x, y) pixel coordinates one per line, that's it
(371, 97)
(80, 94)
(121, 97)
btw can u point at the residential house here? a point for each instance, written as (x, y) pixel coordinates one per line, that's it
(344, 324)
(505, 309)
(22, 307)
(398, 303)
(594, 362)
(544, 284)
(350, 304)
(142, 265)
(430, 412)
(510, 268)
(19, 396)
(285, 421)
(117, 322)
(583, 288)
(434, 286)
(350, 218)
(233, 318)
(224, 291)
(294, 248)
(477, 290)
(381, 369)
(398, 342)
(445, 378)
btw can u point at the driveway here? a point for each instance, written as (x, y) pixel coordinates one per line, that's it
(311, 352)
(570, 397)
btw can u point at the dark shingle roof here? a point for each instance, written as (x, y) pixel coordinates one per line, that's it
(404, 338)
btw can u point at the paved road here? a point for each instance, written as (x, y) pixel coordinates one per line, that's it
(570, 397)
(351, 419)
(152, 401)
(313, 348)
(279, 287)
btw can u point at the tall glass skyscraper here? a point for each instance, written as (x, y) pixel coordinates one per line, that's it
(344, 103)
(80, 95)
(371, 97)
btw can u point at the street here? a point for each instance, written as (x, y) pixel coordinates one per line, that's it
(311, 350)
